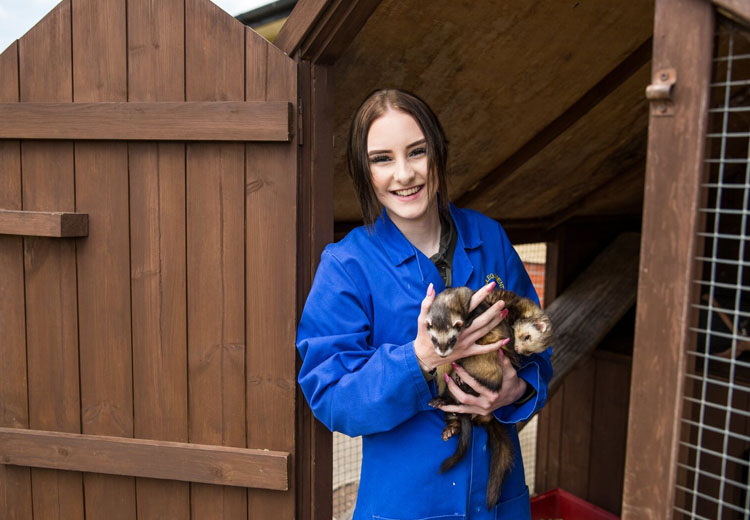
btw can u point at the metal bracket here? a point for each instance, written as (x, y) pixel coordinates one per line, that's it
(659, 92)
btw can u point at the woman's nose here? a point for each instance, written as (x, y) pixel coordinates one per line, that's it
(404, 172)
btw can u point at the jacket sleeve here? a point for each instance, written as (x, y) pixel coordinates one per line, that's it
(352, 386)
(535, 369)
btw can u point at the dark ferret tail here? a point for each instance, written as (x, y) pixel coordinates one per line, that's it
(501, 460)
(464, 440)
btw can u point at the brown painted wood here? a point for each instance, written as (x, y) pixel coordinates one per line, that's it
(314, 472)
(300, 22)
(156, 72)
(609, 430)
(577, 412)
(43, 223)
(734, 9)
(15, 483)
(100, 74)
(145, 458)
(45, 75)
(674, 168)
(271, 297)
(214, 70)
(607, 287)
(164, 121)
(506, 171)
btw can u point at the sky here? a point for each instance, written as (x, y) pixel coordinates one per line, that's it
(18, 16)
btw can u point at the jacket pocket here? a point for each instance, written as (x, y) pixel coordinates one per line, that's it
(518, 507)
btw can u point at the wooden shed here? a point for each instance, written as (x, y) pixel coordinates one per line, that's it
(168, 179)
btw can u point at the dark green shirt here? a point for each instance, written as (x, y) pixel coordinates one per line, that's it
(443, 259)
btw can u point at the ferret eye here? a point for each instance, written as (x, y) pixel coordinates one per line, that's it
(527, 337)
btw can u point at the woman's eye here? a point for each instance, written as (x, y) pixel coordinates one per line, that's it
(379, 159)
(418, 152)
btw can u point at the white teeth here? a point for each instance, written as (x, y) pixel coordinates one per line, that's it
(406, 193)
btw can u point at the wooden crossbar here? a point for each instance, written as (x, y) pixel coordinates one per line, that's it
(162, 121)
(593, 304)
(43, 223)
(145, 458)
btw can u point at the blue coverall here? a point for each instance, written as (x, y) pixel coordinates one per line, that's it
(360, 374)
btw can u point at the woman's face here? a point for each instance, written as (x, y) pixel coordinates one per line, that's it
(397, 152)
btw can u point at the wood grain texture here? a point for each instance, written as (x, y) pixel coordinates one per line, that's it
(164, 121)
(608, 286)
(215, 71)
(45, 75)
(156, 72)
(577, 412)
(43, 223)
(300, 22)
(271, 202)
(145, 458)
(673, 173)
(100, 74)
(735, 9)
(15, 483)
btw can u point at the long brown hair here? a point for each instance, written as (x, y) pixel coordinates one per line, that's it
(374, 106)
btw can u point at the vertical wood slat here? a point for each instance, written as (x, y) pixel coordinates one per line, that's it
(673, 172)
(15, 483)
(156, 72)
(45, 74)
(99, 66)
(271, 238)
(215, 263)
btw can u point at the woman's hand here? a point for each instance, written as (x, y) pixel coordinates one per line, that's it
(511, 390)
(466, 344)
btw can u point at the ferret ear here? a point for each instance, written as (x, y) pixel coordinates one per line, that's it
(541, 325)
(428, 322)
(458, 324)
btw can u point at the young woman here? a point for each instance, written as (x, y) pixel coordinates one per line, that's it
(367, 358)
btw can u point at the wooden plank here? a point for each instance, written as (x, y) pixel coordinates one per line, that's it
(156, 72)
(214, 70)
(607, 287)
(45, 75)
(738, 9)
(145, 458)
(100, 74)
(15, 483)
(673, 173)
(43, 223)
(576, 423)
(301, 20)
(271, 202)
(610, 426)
(314, 473)
(506, 170)
(139, 121)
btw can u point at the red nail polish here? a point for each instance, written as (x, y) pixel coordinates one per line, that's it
(504, 313)
(454, 365)
(505, 341)
(446, 377)
(500, 353)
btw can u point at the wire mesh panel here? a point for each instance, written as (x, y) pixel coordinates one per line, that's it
(715, 425)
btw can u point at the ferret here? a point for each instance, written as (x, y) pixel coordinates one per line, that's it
(529, 330)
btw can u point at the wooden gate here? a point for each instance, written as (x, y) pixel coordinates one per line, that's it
(148, 260)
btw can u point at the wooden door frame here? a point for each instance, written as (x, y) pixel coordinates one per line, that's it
(674, 169)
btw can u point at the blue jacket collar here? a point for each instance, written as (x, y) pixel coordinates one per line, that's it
(399, 249)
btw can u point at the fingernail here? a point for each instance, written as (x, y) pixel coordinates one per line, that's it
(429, 289)
(454, 365)
(447, 378)
(490, 285)
(505, 341)
(500, 353)
(504, 313)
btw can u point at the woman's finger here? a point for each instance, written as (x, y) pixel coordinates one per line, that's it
(460, 396)
(480, 295)
(426, 303)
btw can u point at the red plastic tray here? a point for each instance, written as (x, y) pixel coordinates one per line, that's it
(558, 504)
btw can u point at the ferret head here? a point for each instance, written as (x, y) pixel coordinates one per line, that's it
(444, 333)
(532, 335)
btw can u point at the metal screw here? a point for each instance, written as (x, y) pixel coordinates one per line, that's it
(662, 107)
(664, 76)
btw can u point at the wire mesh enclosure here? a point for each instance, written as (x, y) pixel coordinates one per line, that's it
(715, 425)
(347, 451)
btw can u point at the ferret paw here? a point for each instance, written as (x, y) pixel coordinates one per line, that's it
(450, 430)
(437, 402)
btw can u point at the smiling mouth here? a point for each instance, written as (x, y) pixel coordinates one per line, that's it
(407, 192)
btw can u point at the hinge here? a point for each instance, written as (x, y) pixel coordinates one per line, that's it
(659, 92)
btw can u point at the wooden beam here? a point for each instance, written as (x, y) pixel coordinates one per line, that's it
(552, 131)
(588, 309)
(737, 9)
(322, 29)
(138, 121)
(43, 223)
(683, 41)
(208, 464)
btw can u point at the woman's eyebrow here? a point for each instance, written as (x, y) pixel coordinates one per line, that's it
(373, 152)
(415, 143)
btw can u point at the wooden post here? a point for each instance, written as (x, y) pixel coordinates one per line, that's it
(683, 33)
